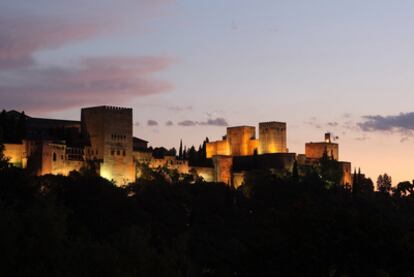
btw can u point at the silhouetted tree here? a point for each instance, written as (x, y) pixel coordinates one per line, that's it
(404, 189)
(180, 151)
(4, 162)
(384, 183)
(355, 182)
(295, 172)
(330, 170)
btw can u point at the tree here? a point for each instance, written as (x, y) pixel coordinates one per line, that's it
(295, 171)
(404, 189)
(185, 153)
(180, 151)
(4, 161)
(355, 182)
(384, 183)
(330, 170)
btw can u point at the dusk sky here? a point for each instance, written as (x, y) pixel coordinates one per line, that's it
(189, 68)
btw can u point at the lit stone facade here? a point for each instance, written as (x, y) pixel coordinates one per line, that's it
(241, 141)
(223, 168)
(57, 158)
(16, 154)
(316, 150)
(272, 137)
(104, 137)
(109, 130)
(346, 173)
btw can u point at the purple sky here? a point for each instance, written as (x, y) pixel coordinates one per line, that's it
(189, 68)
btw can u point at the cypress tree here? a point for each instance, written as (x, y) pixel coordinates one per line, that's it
(180, 151)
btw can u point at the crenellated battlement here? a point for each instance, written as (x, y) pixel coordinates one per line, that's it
(109, 108)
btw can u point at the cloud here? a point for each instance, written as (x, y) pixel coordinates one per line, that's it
(169, 123)
(22, 36)
(210, 122)
(102, 80)
(215, 122)
(187, 123)
(332, 124)
(402, 123)
(152, 123)
(30, 28)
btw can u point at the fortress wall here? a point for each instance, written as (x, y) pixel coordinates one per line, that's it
(346, 173)
(171, 163)
(315, 150)
(142, 157)
(15, 153)
(220, 147)
(272, 137)
(238, 179)
(223, 168)
(55, 160)
(110, 133)
(207, 173)
(253, 146)
(239, 139)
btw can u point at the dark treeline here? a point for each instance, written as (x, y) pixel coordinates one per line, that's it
(83, 225)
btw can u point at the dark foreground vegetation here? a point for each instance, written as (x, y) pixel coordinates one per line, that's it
(82, 225)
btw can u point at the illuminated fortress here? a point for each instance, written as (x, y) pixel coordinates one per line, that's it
(103, 140)
(241, 141)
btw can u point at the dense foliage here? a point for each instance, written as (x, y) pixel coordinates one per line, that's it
(83, 225)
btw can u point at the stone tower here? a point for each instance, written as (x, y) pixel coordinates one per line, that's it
(272, 137)
(109, 130)
(241, 139)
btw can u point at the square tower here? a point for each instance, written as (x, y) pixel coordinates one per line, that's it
(241, 139)
(109, 131)
(272, 137)
(316, 150)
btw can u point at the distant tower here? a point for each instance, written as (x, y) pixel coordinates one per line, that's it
(272, 137)
(328, 137)
(109, 130)
(240, 140)
(316, 150)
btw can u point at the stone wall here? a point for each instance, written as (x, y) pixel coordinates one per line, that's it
(221, 147)
(207, 173)
(109, 130)
(316, 150)
(346, 173)
(272, 137)
(239, 139)
(172, 163)
(16, 154)
(223, 169)
(55, 160)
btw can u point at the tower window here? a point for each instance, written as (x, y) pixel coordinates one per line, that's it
(118, 152)
(54, 157)
(112, 152)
